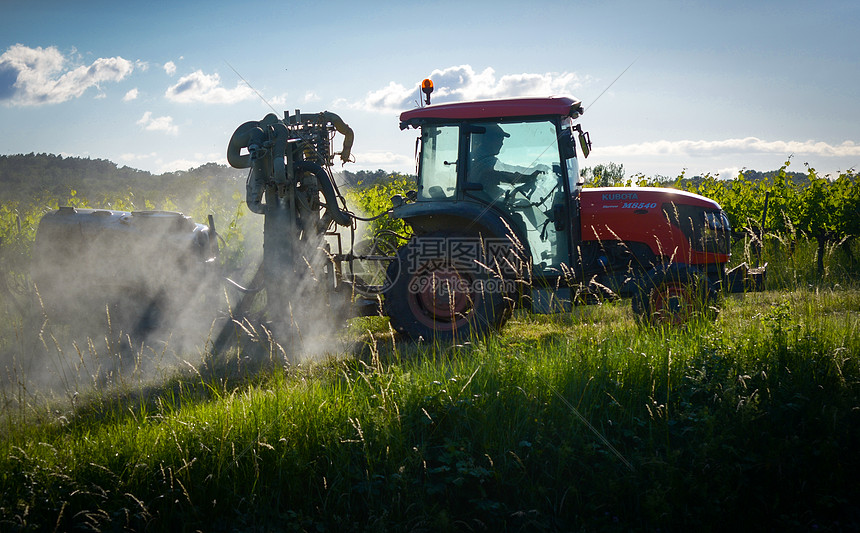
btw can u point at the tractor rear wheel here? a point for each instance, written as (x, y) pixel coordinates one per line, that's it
(673, 296)
(436, 295)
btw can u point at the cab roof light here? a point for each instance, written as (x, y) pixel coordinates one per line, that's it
(427, 88)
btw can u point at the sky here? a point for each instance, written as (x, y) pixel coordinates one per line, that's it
(704, 87)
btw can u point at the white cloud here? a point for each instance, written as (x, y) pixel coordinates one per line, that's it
(463, 83)
(747, 145)
(130, 157)
(164, 124)
(178, 164)
(374, 160)
(35, 76)
(200, 87)
(280, 100)
(729, 172)
(170, 68)
(186, 164)
(131, 95)
(154, 163)
(394, 98)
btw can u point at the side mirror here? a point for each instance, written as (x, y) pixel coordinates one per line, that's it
(585, 142)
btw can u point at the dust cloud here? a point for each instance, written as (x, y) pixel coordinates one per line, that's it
(128, 299)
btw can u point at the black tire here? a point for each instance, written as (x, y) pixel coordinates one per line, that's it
(673, 296)
(436, 297)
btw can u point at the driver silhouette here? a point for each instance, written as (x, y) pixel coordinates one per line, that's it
(486, 169)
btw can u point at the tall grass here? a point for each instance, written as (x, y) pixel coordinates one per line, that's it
(582, 421)
(792, 260)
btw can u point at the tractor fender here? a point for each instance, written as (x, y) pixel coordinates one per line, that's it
(464, 217)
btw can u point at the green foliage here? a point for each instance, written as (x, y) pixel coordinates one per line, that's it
(368, 178)
(799, 206)
(372, 200)
(608, 175)
(815, 206)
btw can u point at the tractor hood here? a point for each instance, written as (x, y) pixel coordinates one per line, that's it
(631, 197)
(667, 220)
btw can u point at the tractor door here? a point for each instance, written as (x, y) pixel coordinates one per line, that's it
(516, 167)
(439, 154)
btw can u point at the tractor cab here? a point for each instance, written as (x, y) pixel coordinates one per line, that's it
(505, 168)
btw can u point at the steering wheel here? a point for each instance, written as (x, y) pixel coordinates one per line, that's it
(526, 188)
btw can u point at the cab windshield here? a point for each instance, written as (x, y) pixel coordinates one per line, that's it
(516, 168)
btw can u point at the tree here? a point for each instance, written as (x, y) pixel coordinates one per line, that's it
(608, 175)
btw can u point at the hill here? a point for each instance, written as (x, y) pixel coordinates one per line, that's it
(24, 177)
(27, 176)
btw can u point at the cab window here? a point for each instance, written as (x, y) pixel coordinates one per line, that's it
(516, 167)
(438, 162)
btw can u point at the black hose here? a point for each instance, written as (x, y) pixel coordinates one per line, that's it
(340, 216)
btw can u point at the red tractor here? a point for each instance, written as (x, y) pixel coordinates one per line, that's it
(500, 219)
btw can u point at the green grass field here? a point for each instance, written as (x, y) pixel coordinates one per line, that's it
(584, 421)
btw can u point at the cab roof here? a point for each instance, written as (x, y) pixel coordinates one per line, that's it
(492, 109)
